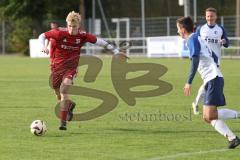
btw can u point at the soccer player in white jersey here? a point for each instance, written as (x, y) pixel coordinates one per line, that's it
(216, 37)
(202, 60)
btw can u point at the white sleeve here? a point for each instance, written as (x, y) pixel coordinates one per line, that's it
(41, 40)
(101, 42)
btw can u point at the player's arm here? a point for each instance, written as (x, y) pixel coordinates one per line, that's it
(101, 42)
(44, 39)
(224, 39)
(193, 69)
(192, 73)
(43, 43)
(194, 48)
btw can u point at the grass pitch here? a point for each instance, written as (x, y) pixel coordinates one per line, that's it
(126, 133)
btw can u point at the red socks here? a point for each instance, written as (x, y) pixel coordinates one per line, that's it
(64, 107)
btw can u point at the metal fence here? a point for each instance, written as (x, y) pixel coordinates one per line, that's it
(163, 26)
(130, 29)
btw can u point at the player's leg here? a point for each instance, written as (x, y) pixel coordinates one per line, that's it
(68, 81)
(198, 98)
(210, 115)
(57, 93)
(55, 82)
(225, 114)
(64, 102)
(214, 97)
(60, 86)
(66, 105)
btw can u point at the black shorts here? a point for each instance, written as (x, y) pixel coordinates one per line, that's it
(214, 92)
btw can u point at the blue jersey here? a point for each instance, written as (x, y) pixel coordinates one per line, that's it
(205, 63)
(213, 35)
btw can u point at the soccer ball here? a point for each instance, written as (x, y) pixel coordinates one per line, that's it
(38, 127)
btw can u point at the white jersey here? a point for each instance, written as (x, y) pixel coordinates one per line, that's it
(213, 35)
(207, 66)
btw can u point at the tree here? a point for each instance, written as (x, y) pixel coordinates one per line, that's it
(28, 18)
(25, 16)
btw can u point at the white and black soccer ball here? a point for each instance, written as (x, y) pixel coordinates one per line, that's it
(38, 127)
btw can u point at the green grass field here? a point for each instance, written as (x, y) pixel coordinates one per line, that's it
(25, 96)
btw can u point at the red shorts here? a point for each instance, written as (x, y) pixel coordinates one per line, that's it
(58, 75)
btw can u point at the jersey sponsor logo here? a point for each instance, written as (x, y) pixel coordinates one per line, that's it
(69, 47)
(82, 32)
(211, 40)
(78, 41)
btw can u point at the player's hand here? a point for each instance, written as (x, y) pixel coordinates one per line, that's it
(122, 54)
(223, 41)
(45, 50)
(187, 89)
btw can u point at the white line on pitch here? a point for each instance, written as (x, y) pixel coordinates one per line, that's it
(188, 154)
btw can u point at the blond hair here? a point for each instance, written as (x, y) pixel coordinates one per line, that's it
(73, 18)
(210, 9)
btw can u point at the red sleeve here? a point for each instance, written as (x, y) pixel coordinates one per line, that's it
(91, 38)
(55, 34)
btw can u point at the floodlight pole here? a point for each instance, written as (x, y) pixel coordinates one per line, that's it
(238, 23)
(143, 22)
(82, 12)
(93, 16)
(238, 18)
(195, 10)
(3, 37)
(92, 26)
(187, 8)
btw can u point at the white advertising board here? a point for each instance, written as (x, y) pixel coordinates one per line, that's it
(167, 46)
(35, 51)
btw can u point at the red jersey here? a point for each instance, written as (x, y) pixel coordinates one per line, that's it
(68, 47)
(53, 44)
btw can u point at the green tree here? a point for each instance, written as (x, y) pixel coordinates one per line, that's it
(29, 18)
(20, 35)
(25, 16)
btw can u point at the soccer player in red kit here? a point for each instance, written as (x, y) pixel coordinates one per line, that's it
(66, 58)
